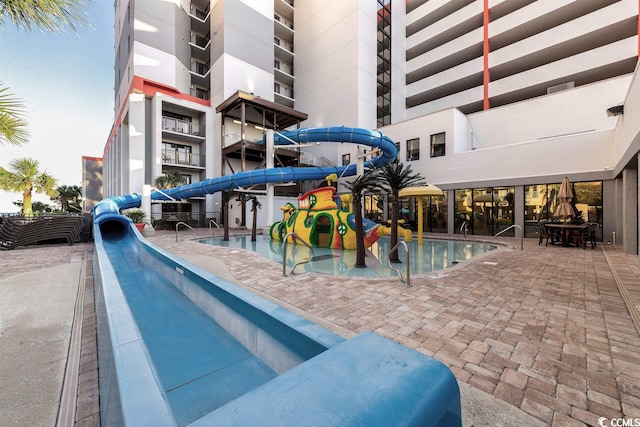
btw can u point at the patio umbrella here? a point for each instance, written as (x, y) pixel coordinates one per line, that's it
(565, 195)
(420, 192)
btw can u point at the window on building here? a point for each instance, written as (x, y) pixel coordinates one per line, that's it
(438, 145)
(346, 159)
(413, 149)
(541, 202)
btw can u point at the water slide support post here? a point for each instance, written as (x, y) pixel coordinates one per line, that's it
(269, 186)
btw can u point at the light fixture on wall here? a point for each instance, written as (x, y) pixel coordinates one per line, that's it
(618, 110)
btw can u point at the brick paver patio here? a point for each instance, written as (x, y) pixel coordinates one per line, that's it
(547, 329)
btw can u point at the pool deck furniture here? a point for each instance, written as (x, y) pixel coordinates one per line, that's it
(566, 232)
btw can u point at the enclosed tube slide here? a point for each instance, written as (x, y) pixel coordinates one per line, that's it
(111, 206)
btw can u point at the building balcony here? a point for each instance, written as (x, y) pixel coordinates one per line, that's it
(199, 92)
(199, 41)
(284, 73)
(182, 158)
(199, 74)
(199, 18)
(283, 49)
(169, 124)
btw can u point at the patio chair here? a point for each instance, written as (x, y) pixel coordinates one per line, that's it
(590, 234)
(547, 234)
(577, 237)
(542, 233)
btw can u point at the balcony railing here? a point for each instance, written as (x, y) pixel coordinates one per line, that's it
(284, 21)
(283, 44)
(176, 157)
(199, 68)
(283, 90)
(200, 41)
(181, 126)
(199, 13)
(200, 93)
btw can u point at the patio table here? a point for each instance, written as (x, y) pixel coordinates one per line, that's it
(565, 230)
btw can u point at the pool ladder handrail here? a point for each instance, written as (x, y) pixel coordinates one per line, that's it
(285, 242)
(186, 225)
(521, 234)
(407, 267)
(214, 223)
(464, 228)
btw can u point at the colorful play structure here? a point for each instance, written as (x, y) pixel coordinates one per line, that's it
(179, 346)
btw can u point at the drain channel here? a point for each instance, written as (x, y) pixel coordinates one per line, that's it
(631, 307)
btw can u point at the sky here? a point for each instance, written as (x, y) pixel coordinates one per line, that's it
(65, 82)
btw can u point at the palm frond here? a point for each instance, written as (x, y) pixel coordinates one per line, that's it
(13, 128)
(48, 15)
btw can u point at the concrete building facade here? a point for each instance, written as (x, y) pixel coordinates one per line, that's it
(494, 101)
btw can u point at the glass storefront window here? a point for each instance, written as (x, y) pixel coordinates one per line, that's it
(373, 207)
(436, 214)
(463, 209)
(588, 202)
(541, 201)
(487, 211)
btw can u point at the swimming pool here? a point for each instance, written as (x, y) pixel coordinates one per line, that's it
(432, 255)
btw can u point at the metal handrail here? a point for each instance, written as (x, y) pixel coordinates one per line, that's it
(214, 223)
(464, 228)
(521, 234)
(407, 268)
(186, 225)
(284, 253)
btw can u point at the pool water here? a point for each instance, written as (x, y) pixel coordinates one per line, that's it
(431, 256)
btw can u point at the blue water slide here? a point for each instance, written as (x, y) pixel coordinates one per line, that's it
(343, 134)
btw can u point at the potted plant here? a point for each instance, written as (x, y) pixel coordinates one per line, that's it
(137, 216)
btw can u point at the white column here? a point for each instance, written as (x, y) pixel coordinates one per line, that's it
(630, 211)
(359, 161)
(270, 189)
(146, 201)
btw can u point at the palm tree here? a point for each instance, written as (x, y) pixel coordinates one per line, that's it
(68, 196)
(369, 181)
(50, 15)
(25, 177)
(255, 205)
(13, 128)
(395, 177)
(170, 179)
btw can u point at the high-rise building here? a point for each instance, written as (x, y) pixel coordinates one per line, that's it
(495, 101)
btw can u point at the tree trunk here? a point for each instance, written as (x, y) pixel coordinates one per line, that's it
(27, 210)
(254, 225)
(225, 212)
(393, 256)
(357, 218)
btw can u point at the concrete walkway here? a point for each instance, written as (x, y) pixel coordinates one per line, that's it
(38, 293)
(544, 336)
